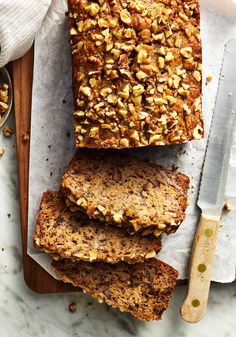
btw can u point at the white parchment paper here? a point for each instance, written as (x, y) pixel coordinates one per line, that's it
(52, 137)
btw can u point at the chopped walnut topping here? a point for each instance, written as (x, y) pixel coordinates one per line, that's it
(150, 254)
(141, 75)
(94, 132)
(143, 56)
(105, 92)
(80, 25)
(92, 9)
(162, 51)
(186, 52)
(125, 92)
(73, 31)
(169, 57)
(161, 62)
(159, 101)
(138, 90)
(154, 138)
(197, 75)
(124, 142)
(125, 17)
(93, 254)
(118, 217)
(183, 16)
(186, 109)
(154, 27)
(137, 73)
(86, 91)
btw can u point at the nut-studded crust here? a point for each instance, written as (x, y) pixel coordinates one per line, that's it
(143, 289)
(72, 235)
(134, 194)
(136, 72)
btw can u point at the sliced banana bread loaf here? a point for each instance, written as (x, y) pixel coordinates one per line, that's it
(72, 235)
(132, 193)
(143, 289)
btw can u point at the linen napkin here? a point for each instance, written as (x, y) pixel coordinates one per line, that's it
(19, 22)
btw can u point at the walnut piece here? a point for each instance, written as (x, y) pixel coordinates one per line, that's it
(7, 132)
(1, 151)
(228, 206)
(72, 307)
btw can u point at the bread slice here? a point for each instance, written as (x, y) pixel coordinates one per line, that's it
(72, 235)
(132, 193)
(143, 289)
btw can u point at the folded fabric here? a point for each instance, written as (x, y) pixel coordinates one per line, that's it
(19, 22)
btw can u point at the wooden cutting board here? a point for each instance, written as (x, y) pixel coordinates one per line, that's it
(35, 276)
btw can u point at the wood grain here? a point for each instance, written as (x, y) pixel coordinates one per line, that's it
(201, 266)
(35, 276)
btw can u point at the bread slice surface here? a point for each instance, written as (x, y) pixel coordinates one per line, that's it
(134, 194)
(142, 289)
(72, 235)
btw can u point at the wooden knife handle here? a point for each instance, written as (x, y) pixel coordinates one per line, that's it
(201, 266)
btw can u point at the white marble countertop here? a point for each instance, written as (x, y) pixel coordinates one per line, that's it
(24, 313)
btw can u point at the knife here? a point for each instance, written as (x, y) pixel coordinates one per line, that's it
(212, 189)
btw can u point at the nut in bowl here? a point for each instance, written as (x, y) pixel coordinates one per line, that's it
(5, 95)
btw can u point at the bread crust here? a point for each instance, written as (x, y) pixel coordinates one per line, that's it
(137, 76)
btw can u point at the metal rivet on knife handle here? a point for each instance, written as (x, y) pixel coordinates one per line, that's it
(201, 267)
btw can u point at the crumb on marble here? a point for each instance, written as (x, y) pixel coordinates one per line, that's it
(73, 307)
(228, 206)
(1, 151)
(7, 131)
(89, 304)
(174, 167)
(209, 77)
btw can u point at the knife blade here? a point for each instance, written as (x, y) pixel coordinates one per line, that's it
(212, 189)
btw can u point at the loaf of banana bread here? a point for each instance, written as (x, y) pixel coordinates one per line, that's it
(136, 72)
(132, 193)
(72, 235)
(143, 289)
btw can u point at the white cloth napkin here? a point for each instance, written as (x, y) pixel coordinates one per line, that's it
(19, 22)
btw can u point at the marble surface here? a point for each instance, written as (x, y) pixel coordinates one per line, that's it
(24, 313)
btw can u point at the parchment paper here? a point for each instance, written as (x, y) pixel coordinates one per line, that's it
(52, 137)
